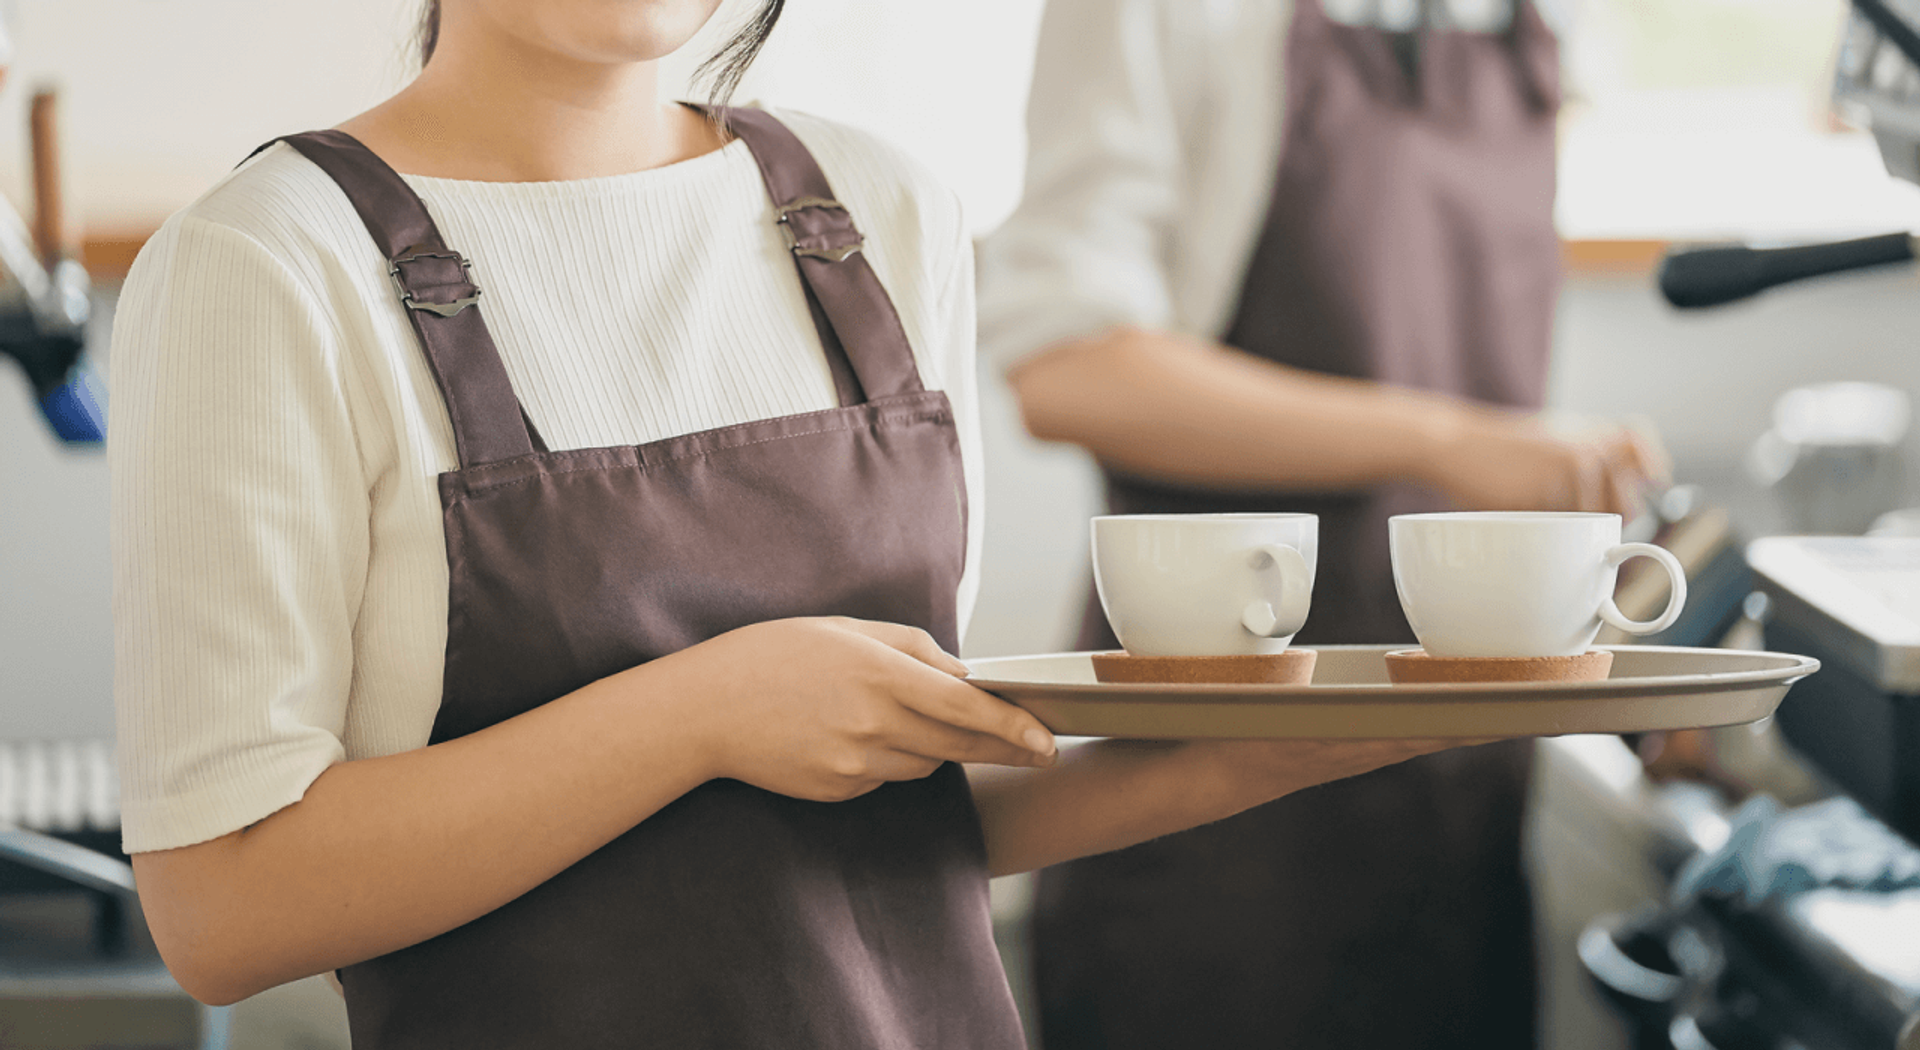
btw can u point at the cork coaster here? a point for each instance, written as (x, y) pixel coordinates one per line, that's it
(1293, 667)
(1415, 667)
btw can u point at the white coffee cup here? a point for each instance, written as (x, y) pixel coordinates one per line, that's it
(1519, 583)
(1205, 584)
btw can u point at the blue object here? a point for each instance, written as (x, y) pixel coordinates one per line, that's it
(1771, 853)
(76, 410)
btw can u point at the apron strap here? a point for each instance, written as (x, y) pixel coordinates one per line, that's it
(1536, 52)
(1534, 48)
(855, 318)
(435, 284)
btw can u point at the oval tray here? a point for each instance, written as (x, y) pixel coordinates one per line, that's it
(1651, 688)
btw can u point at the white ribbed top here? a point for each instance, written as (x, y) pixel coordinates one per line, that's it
(280, 577)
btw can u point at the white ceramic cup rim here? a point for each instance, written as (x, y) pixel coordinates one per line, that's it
(1227, 516)
(1508, 517)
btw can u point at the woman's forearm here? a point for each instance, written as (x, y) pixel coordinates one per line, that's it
(1111, 794)
(386, 852)
(1178, 409)
(382, 853)
(1100, 796)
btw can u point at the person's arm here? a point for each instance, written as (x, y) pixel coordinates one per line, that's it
(1138, 210)
(383, 853)
(1186, 410)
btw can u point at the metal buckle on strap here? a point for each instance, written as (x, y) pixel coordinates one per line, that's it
(443, 309)
(800, 204)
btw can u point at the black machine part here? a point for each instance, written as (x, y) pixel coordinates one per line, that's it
(1711, 276)
(1709, 974)
(43, 326)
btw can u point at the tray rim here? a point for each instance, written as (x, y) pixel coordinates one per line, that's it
(1794, 667)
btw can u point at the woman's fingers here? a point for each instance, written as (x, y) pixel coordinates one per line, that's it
(910, 640)
(934, 739)
(955, 703)
(951, 701)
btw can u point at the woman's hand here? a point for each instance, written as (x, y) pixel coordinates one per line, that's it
(1497, 460)
(829, 708)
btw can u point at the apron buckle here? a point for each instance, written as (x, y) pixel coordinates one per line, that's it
(435, 262)
(828, 241)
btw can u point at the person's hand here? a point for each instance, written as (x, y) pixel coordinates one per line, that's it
(1497, 460)
(1272, 768)
(829, 708)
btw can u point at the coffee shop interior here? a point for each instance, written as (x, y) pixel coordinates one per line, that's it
(1783, 418)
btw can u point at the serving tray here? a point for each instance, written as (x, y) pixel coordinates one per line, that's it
(1650, 688)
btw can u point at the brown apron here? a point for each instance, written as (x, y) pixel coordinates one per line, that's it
(1409, 241)
(734, 917)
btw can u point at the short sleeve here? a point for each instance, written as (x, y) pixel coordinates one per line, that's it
(240, 536)
(1088, 245)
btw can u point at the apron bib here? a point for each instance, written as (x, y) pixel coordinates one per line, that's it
(1409, 241)
(733, 918)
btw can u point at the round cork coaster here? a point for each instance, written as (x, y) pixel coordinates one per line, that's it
(1415, 667)
(1293, 667)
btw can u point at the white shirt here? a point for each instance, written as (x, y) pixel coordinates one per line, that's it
(1153, 136)
(280, 598)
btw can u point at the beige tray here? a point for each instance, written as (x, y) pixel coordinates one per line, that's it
(1651, 687)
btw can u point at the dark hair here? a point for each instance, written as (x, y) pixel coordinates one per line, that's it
(428, 33)
(722, 70)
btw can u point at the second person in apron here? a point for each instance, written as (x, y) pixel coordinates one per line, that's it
(1269, 261)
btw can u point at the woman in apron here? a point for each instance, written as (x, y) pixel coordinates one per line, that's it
(1268, 261)
(543, 516)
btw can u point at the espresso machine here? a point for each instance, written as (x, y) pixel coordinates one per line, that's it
(44, 297)
(1794, 924)
(1851, 600)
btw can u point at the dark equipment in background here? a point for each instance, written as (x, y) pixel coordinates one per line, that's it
(1747, 967)
(1702, 277)
(44, 304)
(1834, 965)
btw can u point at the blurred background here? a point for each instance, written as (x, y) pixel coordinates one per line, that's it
(1689, 121)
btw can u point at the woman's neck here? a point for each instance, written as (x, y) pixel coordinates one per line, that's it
(493, 112)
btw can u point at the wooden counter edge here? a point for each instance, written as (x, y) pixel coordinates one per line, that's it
(107, 254)
(1599, 257)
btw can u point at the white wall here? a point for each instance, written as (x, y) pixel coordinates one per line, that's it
(162, 97)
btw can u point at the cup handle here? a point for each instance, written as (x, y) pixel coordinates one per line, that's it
(1676, 601)
(1296, 592)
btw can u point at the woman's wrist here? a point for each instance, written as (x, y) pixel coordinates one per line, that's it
(655, 697)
